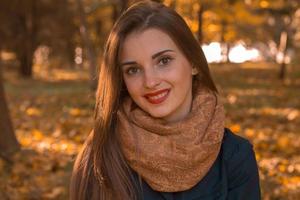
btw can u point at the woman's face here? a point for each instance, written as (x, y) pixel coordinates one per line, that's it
(157, 75)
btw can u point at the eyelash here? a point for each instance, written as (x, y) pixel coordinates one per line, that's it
(163, 58)
(128, 71)
(131, 68)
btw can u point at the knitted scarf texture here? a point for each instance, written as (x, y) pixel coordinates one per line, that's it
(175, 156)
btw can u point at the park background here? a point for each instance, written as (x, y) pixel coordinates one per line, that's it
(50, 51)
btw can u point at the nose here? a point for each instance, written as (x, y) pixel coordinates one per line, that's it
(151, 79)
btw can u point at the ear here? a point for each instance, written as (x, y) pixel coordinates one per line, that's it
(194, 71)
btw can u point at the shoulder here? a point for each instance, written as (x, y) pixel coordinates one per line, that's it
(239, 158)
(235, 147)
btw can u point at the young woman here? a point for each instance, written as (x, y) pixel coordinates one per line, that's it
(159, 121)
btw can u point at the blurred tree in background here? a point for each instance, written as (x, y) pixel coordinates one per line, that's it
(28, 25)
(8, 141)
(280, 23)
(71, 27)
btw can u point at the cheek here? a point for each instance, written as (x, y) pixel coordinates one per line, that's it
(132, 86)
(182, 74)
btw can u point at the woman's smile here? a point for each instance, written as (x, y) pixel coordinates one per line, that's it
(158, 96)
(157, 75)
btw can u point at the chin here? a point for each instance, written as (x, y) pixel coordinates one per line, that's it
(158, 115)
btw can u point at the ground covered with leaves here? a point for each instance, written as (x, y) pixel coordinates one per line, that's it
(52, 116)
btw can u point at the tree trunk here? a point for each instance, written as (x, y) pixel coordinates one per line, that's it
(118, 8)
(70, 54)
(173, 4)
(115, 13)
(26, 62)
(27, 47)
(283, 49)
(124, 5)
(90, 50)
(282, 72)
(227, 52)
(200, 23)
(225, 47)
(8, 140)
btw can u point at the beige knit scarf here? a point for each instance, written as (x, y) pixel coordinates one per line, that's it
(173, 157)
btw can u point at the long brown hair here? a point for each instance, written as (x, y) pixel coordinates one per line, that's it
(100, 170)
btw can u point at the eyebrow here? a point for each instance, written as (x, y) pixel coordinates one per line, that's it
(161, 52)
(153, 57)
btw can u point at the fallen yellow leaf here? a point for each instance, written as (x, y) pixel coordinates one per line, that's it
(75, 112)
(235, 128)
(293, 115)
(37, 134)
(282, 168)
(283, 141)
(249, 132)
(33, 112)
(55, 193)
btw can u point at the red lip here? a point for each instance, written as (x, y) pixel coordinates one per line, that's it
(157, 100)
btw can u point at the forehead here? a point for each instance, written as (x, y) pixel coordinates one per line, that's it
(146, 43)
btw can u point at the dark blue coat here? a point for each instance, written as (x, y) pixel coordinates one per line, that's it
(233, 176)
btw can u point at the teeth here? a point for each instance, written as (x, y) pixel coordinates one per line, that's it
(158, 96)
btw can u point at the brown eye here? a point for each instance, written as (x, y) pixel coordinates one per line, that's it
(164, 60)
(132, 70)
